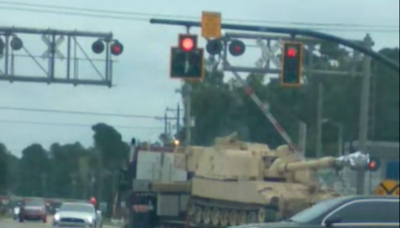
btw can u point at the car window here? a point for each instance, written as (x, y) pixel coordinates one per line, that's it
(369, 212)
(87, 208)
(34, 203)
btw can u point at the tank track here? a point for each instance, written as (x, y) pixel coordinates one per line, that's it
(214, 213)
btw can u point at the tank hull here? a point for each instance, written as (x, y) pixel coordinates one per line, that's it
(229, 203)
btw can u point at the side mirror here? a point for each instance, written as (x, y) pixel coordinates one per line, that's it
(332, 221)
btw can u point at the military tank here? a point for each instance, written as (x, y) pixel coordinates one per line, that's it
(237, 182)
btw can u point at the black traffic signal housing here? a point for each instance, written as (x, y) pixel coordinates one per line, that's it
(374, 164)
(292, 64)
(187, 60)
(187, 65)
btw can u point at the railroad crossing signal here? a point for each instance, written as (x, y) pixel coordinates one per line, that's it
(374, 164)
(387, 188)
(211, 25)
(187, 60)
(53, 47)
(292, 64)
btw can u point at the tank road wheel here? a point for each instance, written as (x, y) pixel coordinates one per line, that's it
(233, 218)
(198, 215)
(224, 218)
(215, 215)
(207, 216)
(261, 215)
(191, 209)
(242, 218)
(252, 217)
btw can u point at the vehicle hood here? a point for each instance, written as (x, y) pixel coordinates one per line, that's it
(269, 225)
(78, 215)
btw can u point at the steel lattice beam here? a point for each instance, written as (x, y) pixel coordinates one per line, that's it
(70, 61)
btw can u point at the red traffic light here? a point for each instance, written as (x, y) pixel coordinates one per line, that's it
(372, 165)
(187, 42)
(291, 52)
(117, 48)
(237, 48)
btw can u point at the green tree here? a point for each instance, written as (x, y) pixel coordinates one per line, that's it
(3, 169)
(35, 163)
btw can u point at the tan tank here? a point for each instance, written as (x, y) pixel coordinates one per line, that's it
(240, 183)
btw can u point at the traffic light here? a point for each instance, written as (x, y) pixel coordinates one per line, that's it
(237, 48)
(292, 64)
(187, 65)
(374, 164)
(187, 42)
(214, 47)
(116, 48)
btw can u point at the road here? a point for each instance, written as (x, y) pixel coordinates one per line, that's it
(8, 223)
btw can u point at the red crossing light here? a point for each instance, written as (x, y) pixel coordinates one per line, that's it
(117, 48)
(237, 48)
(372, 165)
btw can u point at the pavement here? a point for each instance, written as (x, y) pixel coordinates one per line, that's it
(9, 223)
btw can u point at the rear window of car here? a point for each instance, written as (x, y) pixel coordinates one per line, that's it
(34, 203)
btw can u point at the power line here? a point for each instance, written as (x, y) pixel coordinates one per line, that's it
(80, 113)
(139, 16)
(72, 125)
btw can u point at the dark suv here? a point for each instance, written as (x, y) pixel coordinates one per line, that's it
(344, 212)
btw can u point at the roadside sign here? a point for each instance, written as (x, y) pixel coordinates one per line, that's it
(211, 25)
(387, 188)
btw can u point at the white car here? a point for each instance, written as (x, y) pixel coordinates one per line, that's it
(77, 215)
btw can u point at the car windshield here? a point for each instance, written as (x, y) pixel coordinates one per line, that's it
(34, 203)
(315, 211)
(87, 208)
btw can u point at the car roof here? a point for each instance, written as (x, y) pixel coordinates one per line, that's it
(367, 197)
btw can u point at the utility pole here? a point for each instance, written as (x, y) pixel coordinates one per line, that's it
(178, 119)
(364, 113)
(166, 123)
(320, 113)
(188, 101)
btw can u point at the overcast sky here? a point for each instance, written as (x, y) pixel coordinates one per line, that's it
(141, 74)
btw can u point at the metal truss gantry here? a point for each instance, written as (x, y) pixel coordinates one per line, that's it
(54, 56)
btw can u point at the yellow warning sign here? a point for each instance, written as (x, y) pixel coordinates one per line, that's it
(387, 188)
(211, 25)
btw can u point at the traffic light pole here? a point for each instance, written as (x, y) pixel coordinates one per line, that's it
(293, 32)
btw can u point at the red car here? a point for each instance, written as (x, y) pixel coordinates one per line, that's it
(33, 210)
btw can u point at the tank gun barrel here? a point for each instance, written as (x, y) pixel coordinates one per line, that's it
(322, 163)
(354, 161)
